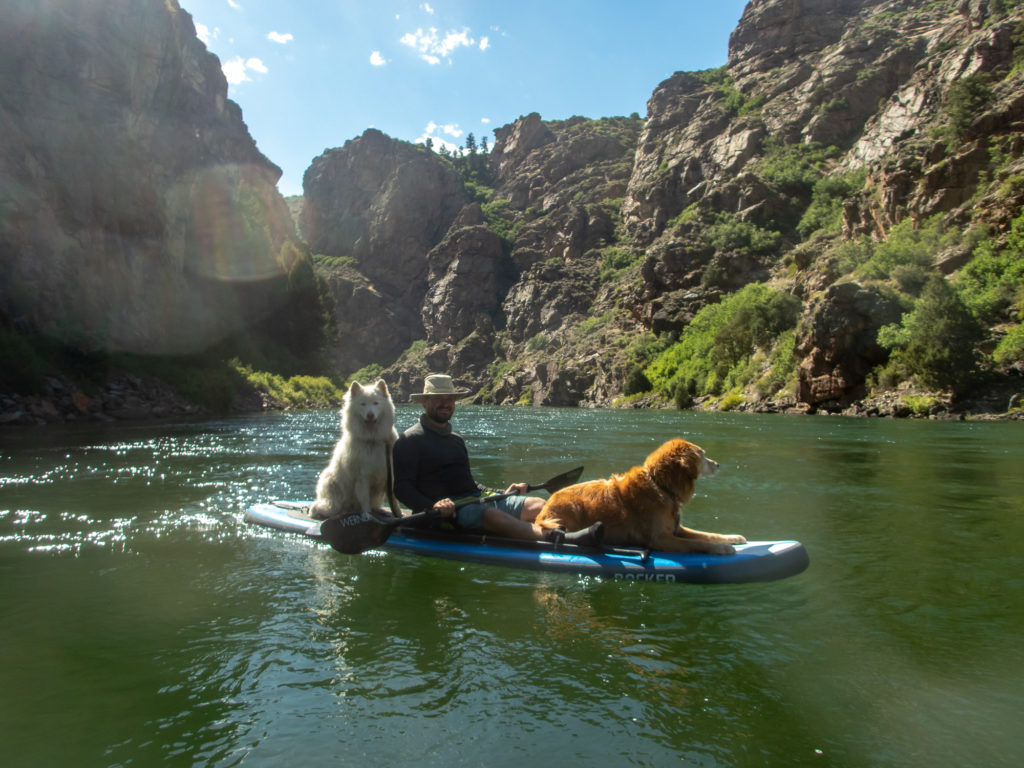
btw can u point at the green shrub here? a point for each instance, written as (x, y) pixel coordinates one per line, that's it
(682, 393)
(1011, 348)
(911, 278)
(906, 246)
(919, 405)
(479, 193)
(335, 262)
(731, 234)
(21, 365)
(591, 324)
(715, 350)
(794, 169)
(297, 391)
(851, 254)
(503, 219)
(993, 280)
(368, 374)
(615, 260)
(526, 398)
(733, 100)
(731, 402)
(689, 215)
(782, 365)
(825, 213)
(935, 342)
(1017, 40)
(644, 347)
(636, 382)
(966, 99)
(537, 343)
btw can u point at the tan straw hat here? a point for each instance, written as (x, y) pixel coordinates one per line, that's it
(440, 385)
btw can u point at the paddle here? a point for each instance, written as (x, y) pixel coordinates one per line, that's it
(358, 532)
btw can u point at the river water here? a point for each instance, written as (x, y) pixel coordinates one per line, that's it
(145, 623)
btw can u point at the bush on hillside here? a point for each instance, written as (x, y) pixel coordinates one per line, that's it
(966, 99)
(714, 351)
(993, 281)
(935, 343)
(906, 246)
(825, 213)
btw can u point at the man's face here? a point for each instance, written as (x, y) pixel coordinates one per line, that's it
(439, 408)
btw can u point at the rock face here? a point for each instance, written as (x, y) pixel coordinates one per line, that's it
(135, 211)
(381, 205)
(419, 261)
(837, 344)
(602, 238)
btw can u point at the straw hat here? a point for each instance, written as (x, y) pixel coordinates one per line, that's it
(439, 384)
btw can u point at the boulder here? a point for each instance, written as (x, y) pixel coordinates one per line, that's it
(836, 343)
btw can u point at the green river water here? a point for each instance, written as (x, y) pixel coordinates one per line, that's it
(145, 623)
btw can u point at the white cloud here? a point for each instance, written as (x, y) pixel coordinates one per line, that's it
(203, 33)
(377, 60)
(485, 120)
(237, 69)
(234, 71)
(432, 47)
(277, 37)
(235, 5)
(454, 40)
(426, 7)
(485, 43)
(437, 135)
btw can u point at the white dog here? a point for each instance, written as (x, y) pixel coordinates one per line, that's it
(357, 477)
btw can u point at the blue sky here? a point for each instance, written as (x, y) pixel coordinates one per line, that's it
(312, 74)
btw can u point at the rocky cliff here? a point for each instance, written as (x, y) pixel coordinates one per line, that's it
(830, 221)
(136, 212)
(849, 152)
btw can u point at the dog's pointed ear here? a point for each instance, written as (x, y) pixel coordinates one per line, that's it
(354, 389)
(382, 387)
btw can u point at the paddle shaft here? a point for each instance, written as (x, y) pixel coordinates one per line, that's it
(416, 516)
(353, 534)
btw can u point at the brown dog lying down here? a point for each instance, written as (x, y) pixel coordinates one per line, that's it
(641, 508)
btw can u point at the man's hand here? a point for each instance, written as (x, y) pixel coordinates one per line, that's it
(446, 507)
(518, 489)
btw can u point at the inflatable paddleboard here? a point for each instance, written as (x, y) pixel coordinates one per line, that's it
(753, 561)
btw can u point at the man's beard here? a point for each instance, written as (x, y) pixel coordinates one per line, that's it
(439, 415)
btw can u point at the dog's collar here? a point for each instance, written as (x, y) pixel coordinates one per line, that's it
(667, 491)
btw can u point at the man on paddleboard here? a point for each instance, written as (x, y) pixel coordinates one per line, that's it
(432, 472)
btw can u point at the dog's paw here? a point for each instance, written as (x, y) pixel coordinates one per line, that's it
(734, 539)
(721, 548)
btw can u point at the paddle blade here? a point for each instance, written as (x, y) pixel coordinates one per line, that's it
(357, 532)
(563, 480)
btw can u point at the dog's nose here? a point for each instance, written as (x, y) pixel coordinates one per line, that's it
(710, 467)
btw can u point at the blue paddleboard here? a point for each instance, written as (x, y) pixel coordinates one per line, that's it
(753, 561)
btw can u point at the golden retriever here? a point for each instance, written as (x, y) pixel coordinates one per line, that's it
(641, 508)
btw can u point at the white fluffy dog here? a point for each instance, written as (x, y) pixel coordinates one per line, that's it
(357, 477)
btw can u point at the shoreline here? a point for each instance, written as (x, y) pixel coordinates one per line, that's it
(132, 398)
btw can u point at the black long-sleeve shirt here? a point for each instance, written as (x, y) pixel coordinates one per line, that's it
(431, 463)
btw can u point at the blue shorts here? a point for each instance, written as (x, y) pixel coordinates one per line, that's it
(471, 516)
